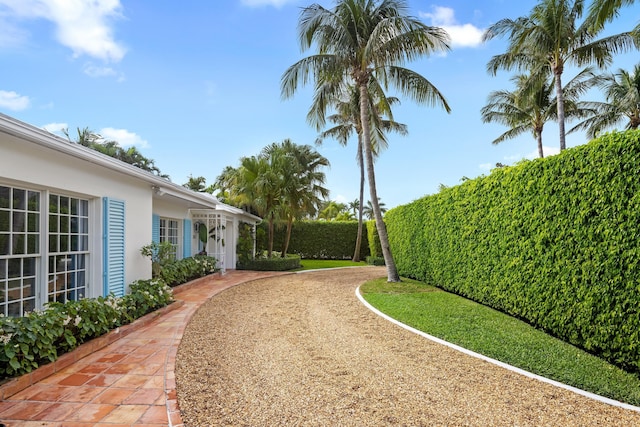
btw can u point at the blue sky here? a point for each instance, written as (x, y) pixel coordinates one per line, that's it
(195, 85)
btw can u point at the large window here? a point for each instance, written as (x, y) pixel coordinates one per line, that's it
(169, 232)
(68, 248)
(19, 249)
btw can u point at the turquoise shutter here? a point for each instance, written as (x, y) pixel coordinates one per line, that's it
(186, 238)
(155, 228)
(113, 249)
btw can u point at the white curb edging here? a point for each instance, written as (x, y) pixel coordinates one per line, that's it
(497, 362)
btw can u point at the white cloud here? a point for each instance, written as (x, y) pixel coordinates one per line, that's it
(123, 137)
(96, 71)
(274, 3)
(13, 101)
(56, 128)
(462, 35)
(83, 26)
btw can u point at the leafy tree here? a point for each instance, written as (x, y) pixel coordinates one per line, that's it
(551, 38)
(365, 43)
(603, 11)
(332, 210)
(622, 92)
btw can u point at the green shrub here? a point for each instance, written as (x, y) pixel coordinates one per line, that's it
(275, 263)
(186, 269)
(375, 260)
(375, 248)
(553, 241)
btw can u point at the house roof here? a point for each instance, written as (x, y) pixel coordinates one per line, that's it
(159, 185)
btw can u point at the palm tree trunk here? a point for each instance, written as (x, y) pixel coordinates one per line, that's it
(285, 247)
(560, 97)
(356, 253)
(392, 272)
(539, 139)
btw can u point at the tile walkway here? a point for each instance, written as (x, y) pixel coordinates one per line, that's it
(123, 379)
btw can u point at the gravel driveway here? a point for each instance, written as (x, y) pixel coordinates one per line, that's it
(301, 350)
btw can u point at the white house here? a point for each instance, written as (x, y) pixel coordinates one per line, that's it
(73, 221)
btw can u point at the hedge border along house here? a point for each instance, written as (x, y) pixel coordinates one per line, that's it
(554, 241)
(73, 221)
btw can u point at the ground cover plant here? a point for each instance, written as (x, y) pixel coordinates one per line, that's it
(497, 335)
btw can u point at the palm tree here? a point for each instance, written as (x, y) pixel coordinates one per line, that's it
(365, 43)
(331, 210)
(603, 11)
(548, 40)
(302, 181)
(531, 105)
(368, 209)
(622, 92)
(347, 121)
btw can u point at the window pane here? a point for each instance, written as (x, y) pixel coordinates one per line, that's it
(64, 243)
(15, 269)
(29, 305)
(64, 224)
(14, 292)
(29, 289)
(33, 244)
(34, 201)
(84, 225)
(74, 243)
(29, 267)
(53, 203)
(64, 205)
(53, 243)
(84, 208)
(5, 244)
(53, 223)
(3, 271)
(5, 197)
(74, 224)
(19, 199)
(74, 207)
(14, 310)
(19, 222)
(4, 220)
(33, 222)
(19, 244)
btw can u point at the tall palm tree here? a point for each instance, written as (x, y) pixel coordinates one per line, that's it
(622, 92)
(347, 121)
(531, 105)
(366, 42)
(548, 40)
(368, 209)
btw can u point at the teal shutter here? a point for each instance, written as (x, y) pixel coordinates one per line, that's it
(113, 248)
(186, 238)
(155, 228)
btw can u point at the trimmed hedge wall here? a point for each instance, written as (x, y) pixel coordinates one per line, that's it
(290, 262)
(554, 241)
(319, 239)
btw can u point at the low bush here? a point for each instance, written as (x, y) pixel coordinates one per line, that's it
(275, 263)
(375, 260)
(186, 269)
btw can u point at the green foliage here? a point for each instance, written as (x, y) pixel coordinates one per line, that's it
(273, 263)
(375, 260)
(320, 239)
(160, 254)
(244, 248)
(373, 239)
(486, 331)
(186, 269)
(316, 264)
(553, 241)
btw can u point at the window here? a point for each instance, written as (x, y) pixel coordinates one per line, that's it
(68, 248)
(19, 249)
(169, 232)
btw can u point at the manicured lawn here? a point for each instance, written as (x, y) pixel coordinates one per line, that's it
(314, 264)
(499, 336)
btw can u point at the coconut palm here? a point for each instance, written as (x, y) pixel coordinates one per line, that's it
(549, 40)
(603, 11)
(368, 209)
(622, 93)
(347, 121)
(366, 42)
(531, 105)
(302, 181)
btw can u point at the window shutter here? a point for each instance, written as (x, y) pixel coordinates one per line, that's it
(186, 238)
(155, 228)
(113, 250)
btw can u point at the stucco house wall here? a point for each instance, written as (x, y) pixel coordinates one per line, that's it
(73, 221)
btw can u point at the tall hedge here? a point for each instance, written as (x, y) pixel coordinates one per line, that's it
(555, 241)
(320, 239)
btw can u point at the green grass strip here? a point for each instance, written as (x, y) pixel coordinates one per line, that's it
(499, 336)
(315, 264)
